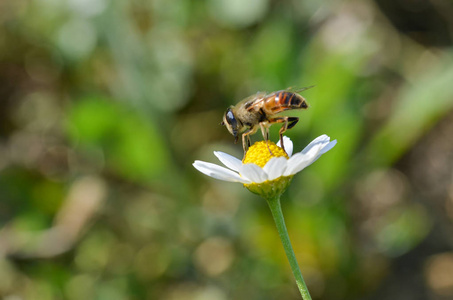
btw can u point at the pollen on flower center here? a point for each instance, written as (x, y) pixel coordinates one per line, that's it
(259, 153)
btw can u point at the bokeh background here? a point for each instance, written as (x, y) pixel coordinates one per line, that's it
(105, 104)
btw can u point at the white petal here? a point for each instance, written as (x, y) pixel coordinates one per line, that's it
(218, 172)
(228, 160)
(253, 172)
(310, 154)
(326, 148)
(296, 163)
(288, 145)
(275, 167)
(323, 139)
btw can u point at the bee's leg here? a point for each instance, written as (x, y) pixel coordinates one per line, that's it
(289, 123)
(246, 140)
(265, 132)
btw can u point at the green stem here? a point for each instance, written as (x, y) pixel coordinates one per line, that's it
(276, 209)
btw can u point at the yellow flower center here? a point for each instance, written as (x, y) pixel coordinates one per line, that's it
(259, 153)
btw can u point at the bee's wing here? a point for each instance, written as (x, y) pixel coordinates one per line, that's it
(293, 89)
(254, 100)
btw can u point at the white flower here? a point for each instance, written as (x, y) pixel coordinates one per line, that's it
(267, 170)
(277, 166)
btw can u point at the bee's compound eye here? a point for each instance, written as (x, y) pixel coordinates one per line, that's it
(230, 118)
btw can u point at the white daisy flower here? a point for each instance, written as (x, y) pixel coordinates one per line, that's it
(267, 170)
(262, 172)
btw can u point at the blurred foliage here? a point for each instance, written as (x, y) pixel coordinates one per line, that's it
(105, 104)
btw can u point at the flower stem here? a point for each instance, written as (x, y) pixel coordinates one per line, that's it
(276, 209)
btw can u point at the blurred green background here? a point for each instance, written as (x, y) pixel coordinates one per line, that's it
(105, 104)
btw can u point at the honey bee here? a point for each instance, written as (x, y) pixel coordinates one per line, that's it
(258, 111)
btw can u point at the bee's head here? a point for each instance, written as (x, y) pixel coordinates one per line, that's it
(233, 125)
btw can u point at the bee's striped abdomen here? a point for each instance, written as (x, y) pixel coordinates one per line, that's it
(283, 100)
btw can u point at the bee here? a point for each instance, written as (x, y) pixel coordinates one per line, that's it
(259, 110)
